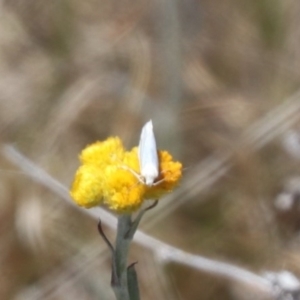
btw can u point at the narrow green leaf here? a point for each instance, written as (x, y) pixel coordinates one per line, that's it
(133, 287)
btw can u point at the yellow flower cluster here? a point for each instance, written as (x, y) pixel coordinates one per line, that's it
(106, 177)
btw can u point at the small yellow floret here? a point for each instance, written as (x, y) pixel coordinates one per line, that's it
(170, 174)
(103, 153)
(86, 190)
(131, 160)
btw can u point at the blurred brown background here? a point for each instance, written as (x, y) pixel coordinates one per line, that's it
(216, 77)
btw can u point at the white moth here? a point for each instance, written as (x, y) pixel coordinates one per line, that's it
(148, 158)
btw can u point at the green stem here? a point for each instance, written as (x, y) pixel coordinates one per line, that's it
(119, 280)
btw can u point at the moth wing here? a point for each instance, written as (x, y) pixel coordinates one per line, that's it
(147, 151)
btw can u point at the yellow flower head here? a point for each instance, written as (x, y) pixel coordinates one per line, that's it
(110, 175)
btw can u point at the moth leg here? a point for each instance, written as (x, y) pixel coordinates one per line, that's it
(139, 177)
(158, 182)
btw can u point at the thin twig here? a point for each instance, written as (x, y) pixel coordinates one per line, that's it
(160, 249)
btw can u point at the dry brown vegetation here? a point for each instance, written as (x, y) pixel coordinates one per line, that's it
(216, 77)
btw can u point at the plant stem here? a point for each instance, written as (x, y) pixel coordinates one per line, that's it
(119, 277)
